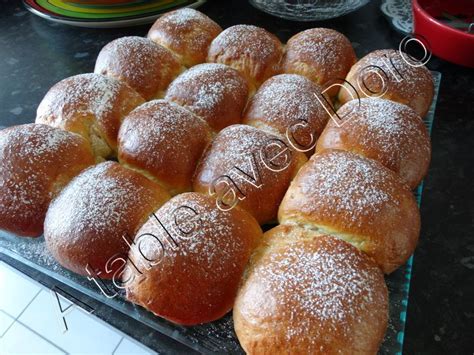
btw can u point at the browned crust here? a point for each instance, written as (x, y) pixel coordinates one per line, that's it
(288, 104)
(85, 225)
(36, 162)
(215, 92)
(404, 83)
(165, 141)
(187, 33)
(193, 278)
(257, 188)
(358, 200)
(144, 65)
(91, 105)
(321, 54)
(384, 130)
(252, 50)
(306, 293)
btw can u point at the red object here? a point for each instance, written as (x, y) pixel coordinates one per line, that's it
(449, 43)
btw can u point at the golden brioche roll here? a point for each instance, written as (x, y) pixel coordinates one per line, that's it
(187, 33)
(252, 50)
(36, 162)
(164, 142)
(358, 200)
(92, 221)
(91, 105)
(141, 63)
(187, 261)
(386, 74)
(305, 293)
(384, 130)
(249, 167)
(321, 54)
(215, 92)
(287, 104)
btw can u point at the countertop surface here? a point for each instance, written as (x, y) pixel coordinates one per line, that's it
(35, 54)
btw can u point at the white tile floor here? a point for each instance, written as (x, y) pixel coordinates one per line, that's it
(31, 323)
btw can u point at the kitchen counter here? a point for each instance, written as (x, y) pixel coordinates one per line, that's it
(35, 54)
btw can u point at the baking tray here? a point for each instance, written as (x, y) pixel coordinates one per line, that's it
(218, 336)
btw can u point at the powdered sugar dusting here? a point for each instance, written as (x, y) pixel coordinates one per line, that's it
(405, 77)
(103, 199)
(163, 126)
(286, 99)
(214, 239)
(319, 286)
(257, 165)
(214, 82)
(159, 123)
(184, 17)
(385, 72)
(144, 65)
(199, 248)
(323, 49)
(252, 50)
(142, 50)
(252, 41)
(209, 89)
(87, 93)
(394, 129)
(234, 147)
(350, 184)
(26, 153)
(186, 32)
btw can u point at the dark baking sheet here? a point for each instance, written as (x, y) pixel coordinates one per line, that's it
(218, 336)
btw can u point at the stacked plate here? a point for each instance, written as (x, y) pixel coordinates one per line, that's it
(101, 14)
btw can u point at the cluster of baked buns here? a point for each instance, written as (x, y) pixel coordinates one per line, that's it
(158, 170)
